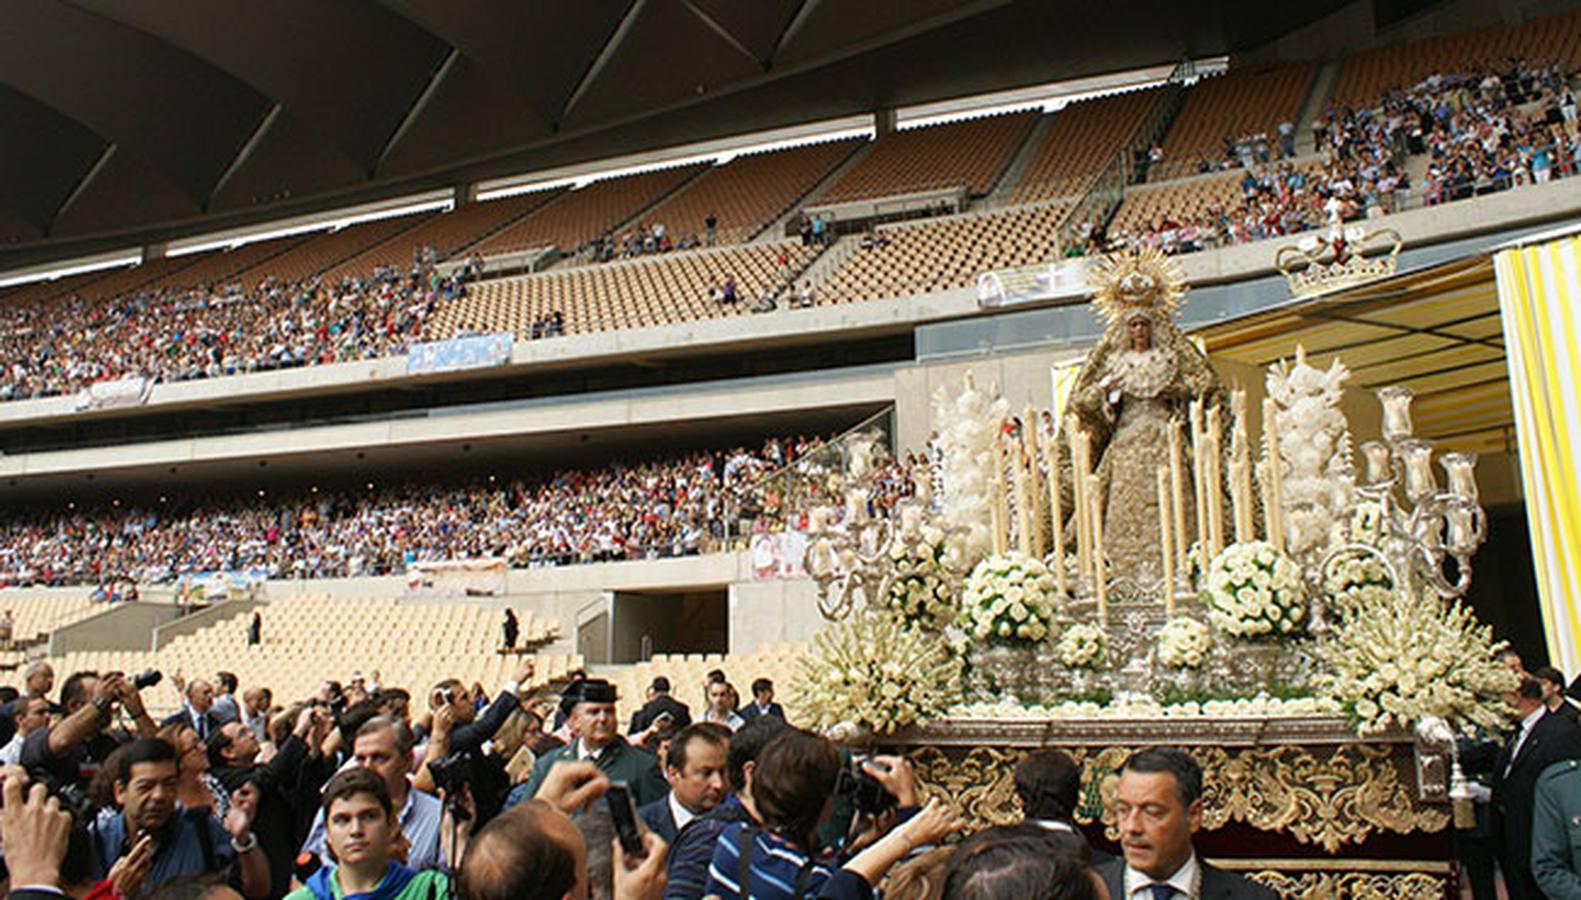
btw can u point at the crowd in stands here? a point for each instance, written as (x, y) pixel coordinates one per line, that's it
(431, 791)
(214, 330)
(662, 507)
(1485, 130)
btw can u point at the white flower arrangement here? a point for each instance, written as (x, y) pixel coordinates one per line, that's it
(1356, 584)
(1008, 599)
(1146, 707)
(1255, 590)
(920, 594)
(1405, 658)
(874, 670)
(1184, 643)
(1081, 646)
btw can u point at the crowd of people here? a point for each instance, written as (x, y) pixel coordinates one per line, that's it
(668, 506)
(211, 331)
(644, 239)
(374, 791)
(1485, 130)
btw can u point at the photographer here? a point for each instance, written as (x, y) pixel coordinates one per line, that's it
(184, 842)
(233, 753)
(793, 788)
(71, 750)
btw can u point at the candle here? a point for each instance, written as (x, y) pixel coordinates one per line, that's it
(1079, 494)
(1240, 470)
(1461, 471)
(997, 508)
(1023, 514)
(1462, 528)
(1198, 484)
(1396, 403)
(1215, 488)
(1416, 455)
(1238, 499)
(1274, 499)
(1029, 455)
(1057, 512)
(1166, 540)
(1100, 576)
(1177, 490)
(1377, 456)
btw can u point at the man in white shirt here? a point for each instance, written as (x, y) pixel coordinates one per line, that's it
(1158, 807)
(31, 714)
(695, 768)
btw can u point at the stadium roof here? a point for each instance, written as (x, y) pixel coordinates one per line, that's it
(156, 118)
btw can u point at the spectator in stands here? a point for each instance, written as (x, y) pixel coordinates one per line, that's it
(284, 786)
(28, 714)
(510, 629)
(694, 766)
(1158, 807)
(722, 705)
(82, 740)
(660, 702)
(255, 630)
(595, 737)
(385, 747)
(361, 832)
(182, 842)
(762, 702)
(7, 627)
(710, 229)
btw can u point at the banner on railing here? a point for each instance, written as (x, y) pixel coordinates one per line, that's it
(133, 390)
(210, 587)
(453, 578)
(1028, 284)
(778, 554)
(456, 354)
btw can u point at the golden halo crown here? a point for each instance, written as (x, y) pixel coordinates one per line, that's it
(1130, 281)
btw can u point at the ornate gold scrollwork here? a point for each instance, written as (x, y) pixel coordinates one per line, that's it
(1328, 796)
(1353, 885)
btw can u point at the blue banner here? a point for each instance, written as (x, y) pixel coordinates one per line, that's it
(456, 354)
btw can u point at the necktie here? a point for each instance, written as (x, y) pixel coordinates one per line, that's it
(1163, 892)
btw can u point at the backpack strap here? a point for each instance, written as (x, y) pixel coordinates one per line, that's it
(746, 839)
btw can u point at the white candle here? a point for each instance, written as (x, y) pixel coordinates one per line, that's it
(1417, 457)
(1029, 451)
(1199, 485)
(1396, 403)
(1461, 470)
(1215, 487)
(1057, 512)
(997, 509)
(1177, 487)
(1166, 548)
(1275, 475)
(1100, 576)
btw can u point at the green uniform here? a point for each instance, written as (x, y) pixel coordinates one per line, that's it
(1556, 831)
(638, 768)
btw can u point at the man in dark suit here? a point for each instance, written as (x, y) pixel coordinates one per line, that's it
(469, 730)
(659, 702)
(762, 702)
(1158, 807)
(1552, 681)
(1048, 783)
(1542, 739)
(198, 712)
(695, 770)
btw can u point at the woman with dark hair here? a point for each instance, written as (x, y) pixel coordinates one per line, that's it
(1022, 862)
(792, 790)
(195, 787)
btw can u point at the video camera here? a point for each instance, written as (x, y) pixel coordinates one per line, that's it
(867, 794)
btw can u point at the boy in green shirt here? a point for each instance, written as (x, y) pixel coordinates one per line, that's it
(360, 830)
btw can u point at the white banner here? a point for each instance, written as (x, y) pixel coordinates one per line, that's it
(1028, 284)
(778, 554)
(452, 578)
(133, 390)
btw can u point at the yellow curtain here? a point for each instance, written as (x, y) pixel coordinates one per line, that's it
(1540, 304)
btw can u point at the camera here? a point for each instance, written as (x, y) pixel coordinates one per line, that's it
(865, 791)
(147, 679)
(73, 798)
(452, 774)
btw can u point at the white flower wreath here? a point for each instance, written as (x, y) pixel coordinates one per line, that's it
(1253, 590)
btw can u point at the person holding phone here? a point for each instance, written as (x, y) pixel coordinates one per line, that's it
(659, 703)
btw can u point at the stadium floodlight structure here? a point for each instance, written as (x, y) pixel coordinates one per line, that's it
(441, 200)
(115, 259)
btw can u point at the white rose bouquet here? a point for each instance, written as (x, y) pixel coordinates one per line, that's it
(1184, 644)
(920, 594)
(874, 670)
(1255, 590)
(1008, 599)
(1081, 646)
(1357, 583)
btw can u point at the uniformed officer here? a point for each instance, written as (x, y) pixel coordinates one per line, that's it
(596, 738)
(1556, 831)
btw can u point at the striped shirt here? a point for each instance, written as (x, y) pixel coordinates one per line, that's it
(776, 866)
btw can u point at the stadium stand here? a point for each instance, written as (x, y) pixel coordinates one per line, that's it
(324, 250)
(302, 647)
(749, 192)
(1083, 138)
(1220, 110)
(1550, 40)
(969, 154)
(35, 617)
(688, 675)
(582, 215)
(448, 234)
(945, 253)
(627, 294)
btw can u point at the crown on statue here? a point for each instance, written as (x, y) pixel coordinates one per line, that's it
(1337, 259)
(1131, 281)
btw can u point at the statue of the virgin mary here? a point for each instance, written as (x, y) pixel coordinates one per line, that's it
(1142, 373)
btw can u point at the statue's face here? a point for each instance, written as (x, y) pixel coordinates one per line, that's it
(1141, 332)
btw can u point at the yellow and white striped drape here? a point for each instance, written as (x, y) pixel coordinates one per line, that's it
(1540, 303)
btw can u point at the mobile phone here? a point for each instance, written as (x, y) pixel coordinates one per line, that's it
(623, 810)
(663, 718)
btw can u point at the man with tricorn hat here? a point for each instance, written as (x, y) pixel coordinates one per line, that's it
(595, 737)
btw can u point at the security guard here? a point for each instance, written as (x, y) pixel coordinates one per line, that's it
(1556, 831)
(596, 737)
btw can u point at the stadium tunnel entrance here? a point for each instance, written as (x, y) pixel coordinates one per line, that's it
(633, 626)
